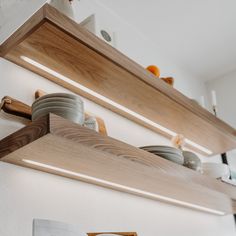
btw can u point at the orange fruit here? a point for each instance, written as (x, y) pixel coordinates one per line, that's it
(154, 69)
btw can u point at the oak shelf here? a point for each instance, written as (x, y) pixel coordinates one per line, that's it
(58, 146)
(59, 49)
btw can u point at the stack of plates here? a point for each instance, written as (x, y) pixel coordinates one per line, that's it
(169, 153)
(69, 106)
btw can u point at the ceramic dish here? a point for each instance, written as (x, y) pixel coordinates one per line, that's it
(67, 113)
(56, 99)
(216, 170)
(42, 104)
(169, 153)
(63, 95)
(192, 161)
(162, 149)
(60, 106)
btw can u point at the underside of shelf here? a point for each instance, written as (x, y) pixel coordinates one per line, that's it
(55, 145)
(59, 49)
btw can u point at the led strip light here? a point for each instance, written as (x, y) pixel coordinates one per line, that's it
(123, 187)
(114, 104)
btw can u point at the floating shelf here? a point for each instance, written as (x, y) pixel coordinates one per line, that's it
(55, 145)
(59, 49)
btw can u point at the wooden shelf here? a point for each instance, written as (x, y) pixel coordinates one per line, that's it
(59, 49)
(55, 145)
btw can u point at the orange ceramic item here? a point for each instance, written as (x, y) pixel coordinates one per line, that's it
(154, 69)
(168, 80)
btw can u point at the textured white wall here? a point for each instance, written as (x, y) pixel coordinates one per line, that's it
(226, 96)
(26, 194)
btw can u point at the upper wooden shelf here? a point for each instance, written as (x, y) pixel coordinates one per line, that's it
(55, 145)
(59, 49)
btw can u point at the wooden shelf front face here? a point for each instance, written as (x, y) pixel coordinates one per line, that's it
(55, 145)
(57, 48)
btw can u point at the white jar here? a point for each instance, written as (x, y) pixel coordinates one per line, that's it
(63, 6)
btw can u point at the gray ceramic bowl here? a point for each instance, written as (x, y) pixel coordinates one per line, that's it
(67, 113)
(166, 152)
(56, 99)
(66, 105)
(62, 95)
(192, 161)
(167, 149)
(215, 170)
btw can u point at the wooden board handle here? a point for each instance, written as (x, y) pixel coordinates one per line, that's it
(15, 107)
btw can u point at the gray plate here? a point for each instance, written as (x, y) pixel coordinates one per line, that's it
(62, 95)
(76, 108)
(162, 149)
(56, 99)
(65, 112)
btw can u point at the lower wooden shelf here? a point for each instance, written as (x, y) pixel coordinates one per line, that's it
(55, 145)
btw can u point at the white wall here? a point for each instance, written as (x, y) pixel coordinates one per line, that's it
(226, 97)
(26, 194)
(136, 46)
(225, 88)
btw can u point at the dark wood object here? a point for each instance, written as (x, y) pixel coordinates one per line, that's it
(55, 145)
(55, 41)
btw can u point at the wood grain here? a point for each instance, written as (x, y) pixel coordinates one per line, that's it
(92, 63)
(106, 162)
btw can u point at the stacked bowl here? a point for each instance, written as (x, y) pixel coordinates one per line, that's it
(216, 170)
(69, 106)
(169, 153)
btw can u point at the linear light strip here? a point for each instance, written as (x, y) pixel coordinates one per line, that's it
(114, 104)
(123, 187)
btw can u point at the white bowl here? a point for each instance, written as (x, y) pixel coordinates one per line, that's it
(216, 170)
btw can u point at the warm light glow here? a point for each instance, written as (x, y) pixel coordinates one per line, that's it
(114, 104)
(122, 187)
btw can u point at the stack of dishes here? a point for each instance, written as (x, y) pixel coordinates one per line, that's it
(69, 106)
(169, 153)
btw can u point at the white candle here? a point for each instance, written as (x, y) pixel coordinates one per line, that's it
(213, 98)
(202, 102)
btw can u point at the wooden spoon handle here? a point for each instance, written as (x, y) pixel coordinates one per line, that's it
(15, 107)
(39, 93)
